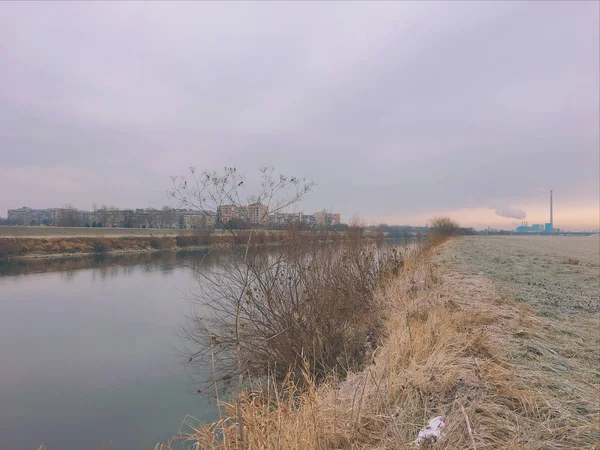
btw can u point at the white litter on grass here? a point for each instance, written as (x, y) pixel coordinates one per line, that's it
(431, 432)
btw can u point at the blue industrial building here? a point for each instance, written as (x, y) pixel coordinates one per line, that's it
(538, 227)
(535, 228)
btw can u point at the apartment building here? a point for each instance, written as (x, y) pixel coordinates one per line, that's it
(256, 214)
(282, 218)
(47, 216)
(30, 216)
(326, 219)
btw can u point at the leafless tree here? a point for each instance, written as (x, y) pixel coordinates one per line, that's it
(442, 228)
(69, 216)
(223, 291)
(167, 217)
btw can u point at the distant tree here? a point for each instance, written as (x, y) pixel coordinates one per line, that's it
(69, 216)
(167, 217)
(444, 226)
(129, 219)
(405, 235)
(101, 214)
(441, 229)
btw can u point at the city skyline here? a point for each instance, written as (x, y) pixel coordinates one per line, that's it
(183, 218)
(566, 216)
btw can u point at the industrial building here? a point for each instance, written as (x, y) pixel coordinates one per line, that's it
(545, 228)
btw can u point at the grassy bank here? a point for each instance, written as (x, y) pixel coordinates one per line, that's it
(51, 232)
(58, 247)
(61, 247)
(454, 343)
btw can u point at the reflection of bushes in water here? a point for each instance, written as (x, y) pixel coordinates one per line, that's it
(100, 260)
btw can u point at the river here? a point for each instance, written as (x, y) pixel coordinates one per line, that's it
(88, 352)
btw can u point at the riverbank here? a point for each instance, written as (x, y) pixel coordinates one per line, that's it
(38, 247)
(497, 339)
(67, 247)
(80, 252)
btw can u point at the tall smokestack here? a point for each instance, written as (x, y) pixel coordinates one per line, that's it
(551, 220)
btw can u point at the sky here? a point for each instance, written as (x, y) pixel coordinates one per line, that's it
(398, 111)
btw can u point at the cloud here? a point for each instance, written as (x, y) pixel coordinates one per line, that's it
(394, 109)
(511, 212)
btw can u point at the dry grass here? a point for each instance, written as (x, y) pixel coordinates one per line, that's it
(500, 376)
(12, 247)
(19, 247)
(572, 261)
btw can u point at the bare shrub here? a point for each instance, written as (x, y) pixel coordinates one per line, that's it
(571, 261)
(11, 247)
(101, 245)
(186, 240)
(303, 302)
(441, 229)
(228, 291)
(157, 242)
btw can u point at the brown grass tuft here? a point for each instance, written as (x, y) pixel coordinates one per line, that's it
(571, 261)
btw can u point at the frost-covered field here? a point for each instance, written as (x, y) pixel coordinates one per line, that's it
(553, 274)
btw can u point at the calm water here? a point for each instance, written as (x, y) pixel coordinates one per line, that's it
(87, 353)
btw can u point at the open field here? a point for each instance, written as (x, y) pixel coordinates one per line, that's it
(47, 232)
(551, 274)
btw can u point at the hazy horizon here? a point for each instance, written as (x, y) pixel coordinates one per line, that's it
(399, 111)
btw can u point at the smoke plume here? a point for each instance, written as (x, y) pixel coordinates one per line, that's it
(511, 211)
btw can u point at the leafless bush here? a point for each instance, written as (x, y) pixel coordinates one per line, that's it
(101, 245)
(11, 247)
(441, 229)
(304, 301)
(227, 292)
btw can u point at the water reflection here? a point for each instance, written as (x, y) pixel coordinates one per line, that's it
(109, 266)
(87, 350)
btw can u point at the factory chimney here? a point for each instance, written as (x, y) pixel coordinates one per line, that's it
(551, 220)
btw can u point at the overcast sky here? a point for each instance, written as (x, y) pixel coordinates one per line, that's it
(397, 110)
